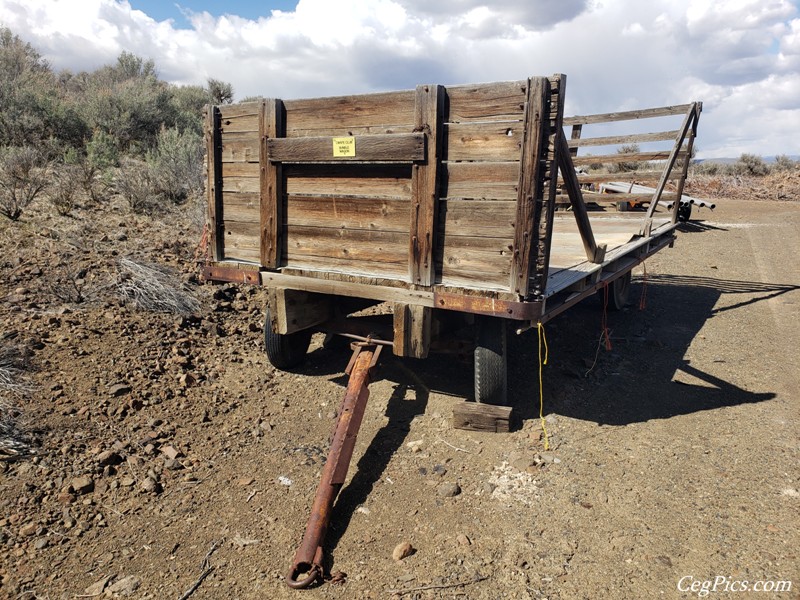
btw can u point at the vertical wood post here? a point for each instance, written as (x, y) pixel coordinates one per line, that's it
(554, 129)
(530, 189)
(214, 218)
(270, 125)
(429, 116)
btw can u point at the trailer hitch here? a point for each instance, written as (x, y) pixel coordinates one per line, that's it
(307, 565)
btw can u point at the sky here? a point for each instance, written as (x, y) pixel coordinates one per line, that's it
(741, 58)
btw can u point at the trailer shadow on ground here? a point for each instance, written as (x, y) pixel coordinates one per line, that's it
(646, 374)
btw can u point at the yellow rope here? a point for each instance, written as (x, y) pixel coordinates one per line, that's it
(542, 340)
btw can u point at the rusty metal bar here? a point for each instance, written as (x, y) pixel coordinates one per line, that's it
(307, 565)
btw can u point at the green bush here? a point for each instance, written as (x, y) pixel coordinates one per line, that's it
(134, 182)
(176, 164)
(626, 166)
(784, 163)
(751, 164)
(66, 181)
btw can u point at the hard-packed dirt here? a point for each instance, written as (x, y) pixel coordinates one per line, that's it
(168, 459)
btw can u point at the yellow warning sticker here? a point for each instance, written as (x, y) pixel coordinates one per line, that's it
(344, 146)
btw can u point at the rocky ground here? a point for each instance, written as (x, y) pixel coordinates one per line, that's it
(168, 459)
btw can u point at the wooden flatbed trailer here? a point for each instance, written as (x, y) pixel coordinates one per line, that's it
(439, 202)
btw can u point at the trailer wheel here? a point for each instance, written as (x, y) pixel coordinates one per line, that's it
(618, 292)
(684, 212)
(491, 361)
(285, 351)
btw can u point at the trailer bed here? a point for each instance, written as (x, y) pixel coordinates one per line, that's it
(437, 200)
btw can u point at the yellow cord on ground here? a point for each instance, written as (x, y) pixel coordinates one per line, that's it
(542, 340)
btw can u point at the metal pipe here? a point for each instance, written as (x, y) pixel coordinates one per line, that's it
(307, 565)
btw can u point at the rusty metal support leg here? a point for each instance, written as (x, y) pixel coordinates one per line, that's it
(307, 565)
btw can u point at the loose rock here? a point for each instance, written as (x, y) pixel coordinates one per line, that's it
(83, 484)
(448, 490)
(402, 550)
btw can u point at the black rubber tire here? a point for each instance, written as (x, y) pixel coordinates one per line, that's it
(619, 292)
(684, 212)
(491, 361)
(285, 351)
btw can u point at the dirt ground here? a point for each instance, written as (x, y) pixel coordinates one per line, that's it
(170, 460)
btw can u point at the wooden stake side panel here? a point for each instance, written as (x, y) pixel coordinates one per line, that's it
(481, 155)
(357, 218)
(239, 134)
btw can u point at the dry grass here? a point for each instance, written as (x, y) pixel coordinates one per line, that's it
(154, 288)
(13, 386)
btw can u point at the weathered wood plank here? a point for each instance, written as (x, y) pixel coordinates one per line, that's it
(483, 141)
(240, 147)
(340, 130)
(503, 101)
(625, 157)
(372, 181)
(347, 268)
(242, 185)
(474, 416)
(240, 169)
(271, 128)
(613, 198)
(428, 118)
(633, 138)
(412, 330)
(544, 227)
(240, 109)
(530, 189)
(351, 244)
(482, 180)
(401, 147)
(379, 214)
(664, 111)
(295, 310)
(243, 124)
(480, 218)
(214, 184)
(365, 110)
(245, 208)
(637, 176)
(242, 241)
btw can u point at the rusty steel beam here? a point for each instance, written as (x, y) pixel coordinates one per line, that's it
(307, 565)
(509, 309)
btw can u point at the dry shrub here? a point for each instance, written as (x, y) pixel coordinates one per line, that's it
(13, 385)
(154, 288)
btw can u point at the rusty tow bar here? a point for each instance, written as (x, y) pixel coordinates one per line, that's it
(307, 565)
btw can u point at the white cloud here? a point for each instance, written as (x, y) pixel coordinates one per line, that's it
(742, 57)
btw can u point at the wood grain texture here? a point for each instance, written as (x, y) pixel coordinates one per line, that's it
(412, 330)
(271, 128)
(628, 115)
(530, 188)
(428, 118)
(303, 117)
(504, 101)
(373, 181)
(347, 212)
(401, 147)
(482, 180)
(474, 416)
(483, 141)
